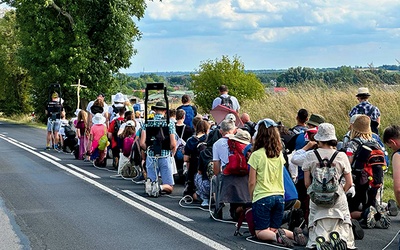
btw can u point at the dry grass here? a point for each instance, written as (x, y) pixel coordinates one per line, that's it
(333, 104)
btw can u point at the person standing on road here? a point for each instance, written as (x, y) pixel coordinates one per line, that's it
(366, 108)
(53, 113)
(225, 99)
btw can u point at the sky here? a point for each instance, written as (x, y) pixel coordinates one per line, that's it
(180, 35)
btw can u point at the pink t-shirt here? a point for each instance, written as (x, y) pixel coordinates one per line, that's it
(97, 130)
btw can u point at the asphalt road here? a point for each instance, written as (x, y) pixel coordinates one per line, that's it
(49, 200)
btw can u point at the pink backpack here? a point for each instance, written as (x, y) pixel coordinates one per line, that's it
(127, 145)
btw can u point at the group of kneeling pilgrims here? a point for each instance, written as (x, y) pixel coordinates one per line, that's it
(300, 176)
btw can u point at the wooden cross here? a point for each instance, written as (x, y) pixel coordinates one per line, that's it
(78, 89)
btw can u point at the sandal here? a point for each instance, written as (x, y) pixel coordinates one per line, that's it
(337, 242)
(299, 237)
(322, 244)
(283, 239)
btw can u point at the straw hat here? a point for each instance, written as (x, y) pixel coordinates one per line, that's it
(316, 120)
(98, 119)
(362, 124)
(326, 132)
(241, 136)
(363, 92)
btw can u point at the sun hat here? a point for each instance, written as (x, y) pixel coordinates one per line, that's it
(130, 123)
(326, 132)
(98, 119)
(119, 98)
(159, 105)
(353, 118)
(362, 124)
(363, 92)
(241, 136)
(231, 117)
(316, 120)
(77, 112)
(267, 122)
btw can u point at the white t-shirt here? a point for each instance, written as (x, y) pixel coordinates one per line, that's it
(221, 151)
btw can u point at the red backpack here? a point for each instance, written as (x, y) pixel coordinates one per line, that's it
(369, 163)
(237, 164)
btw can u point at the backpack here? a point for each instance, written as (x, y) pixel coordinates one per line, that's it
(369, 163)
(117, 125)
(69, 132)
(127, 145)
(226, 101)
(323, 190)
(237, 164)
(189, 114)
(250, 127)
(206, 164)
(181, 145)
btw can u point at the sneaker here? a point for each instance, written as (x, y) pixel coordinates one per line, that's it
(147, 186)
(47, 148)
(392, 208)
(337, 242)
(283, 239)
(371, 222)
(357, 229)
(205, 203)
(299, 237)
(382, 221)
(155, 189)
(321, 244)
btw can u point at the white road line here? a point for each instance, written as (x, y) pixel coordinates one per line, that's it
(158, 206)
(26, 145)
(189, 232)
(51, 156)
(84, 171)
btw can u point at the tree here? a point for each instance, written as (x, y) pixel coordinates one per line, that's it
(15, 87)
(231, 73)
(63, 41)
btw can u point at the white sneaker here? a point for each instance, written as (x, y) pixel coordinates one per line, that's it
(204, 203)
(147, 186)
(155, 189)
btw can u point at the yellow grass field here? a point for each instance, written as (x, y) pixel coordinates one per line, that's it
(333, 104)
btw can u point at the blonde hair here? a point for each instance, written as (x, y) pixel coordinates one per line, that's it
(82, 116)
(357, 134)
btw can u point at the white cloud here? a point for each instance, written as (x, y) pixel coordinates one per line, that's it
(308, 31)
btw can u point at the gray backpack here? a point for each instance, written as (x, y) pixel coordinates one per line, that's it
(323, 190)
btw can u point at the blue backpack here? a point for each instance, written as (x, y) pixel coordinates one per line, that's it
(189, 114)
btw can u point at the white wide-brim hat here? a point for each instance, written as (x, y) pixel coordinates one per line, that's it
(326, 132)
(98, 119)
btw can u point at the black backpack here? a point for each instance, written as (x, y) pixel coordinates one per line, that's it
(69, 132)
(226, 101)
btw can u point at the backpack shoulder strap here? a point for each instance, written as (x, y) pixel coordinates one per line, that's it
(318, 156)
(333, 157)
(183, 131)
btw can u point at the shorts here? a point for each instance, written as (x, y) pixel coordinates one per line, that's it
(164, 169)
(268, 212)
(53, 125)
